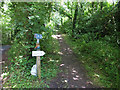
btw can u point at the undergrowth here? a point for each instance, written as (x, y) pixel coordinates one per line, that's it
(20, 67)
(100, 58)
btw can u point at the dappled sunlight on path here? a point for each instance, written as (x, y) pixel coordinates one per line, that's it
(73, 74)
(57, 36)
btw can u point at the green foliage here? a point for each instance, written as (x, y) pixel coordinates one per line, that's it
(66, 27)
(25, 27)
(32, 18)
(95, 40)
(19, 72)
(99, 57)
(5, 27)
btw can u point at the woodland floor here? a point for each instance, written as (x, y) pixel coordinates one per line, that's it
(73, 74)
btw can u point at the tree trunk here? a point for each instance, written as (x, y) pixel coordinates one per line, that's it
(50, 9)
(75, 18)
(101, 5)
(118, 15)
(61, 21)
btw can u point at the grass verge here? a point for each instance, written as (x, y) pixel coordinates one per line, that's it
(99, 59)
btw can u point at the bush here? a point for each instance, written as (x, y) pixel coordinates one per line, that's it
(98, 56)
(104, 55)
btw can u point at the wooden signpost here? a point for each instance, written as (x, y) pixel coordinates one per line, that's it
(38, 53)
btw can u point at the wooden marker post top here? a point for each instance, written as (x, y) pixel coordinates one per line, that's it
(38, 36)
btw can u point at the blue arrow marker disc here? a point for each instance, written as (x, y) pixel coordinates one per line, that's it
(38, 36)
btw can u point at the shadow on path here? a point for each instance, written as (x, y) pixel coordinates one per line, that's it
(73, 74)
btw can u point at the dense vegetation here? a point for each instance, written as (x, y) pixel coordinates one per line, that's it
(91, 29)
(93, 32)
(20, 22)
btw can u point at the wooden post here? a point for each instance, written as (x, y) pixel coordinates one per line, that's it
(38, 67)
(38, 53)
(38, 62)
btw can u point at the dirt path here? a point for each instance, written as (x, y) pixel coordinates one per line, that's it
(3, 61)
(3, 51)
(73, 74)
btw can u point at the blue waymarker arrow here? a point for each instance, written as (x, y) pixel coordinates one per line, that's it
(38, 36)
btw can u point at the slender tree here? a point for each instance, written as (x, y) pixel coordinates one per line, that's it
(75, 17)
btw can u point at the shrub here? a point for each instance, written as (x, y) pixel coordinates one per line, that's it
(104, 55)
